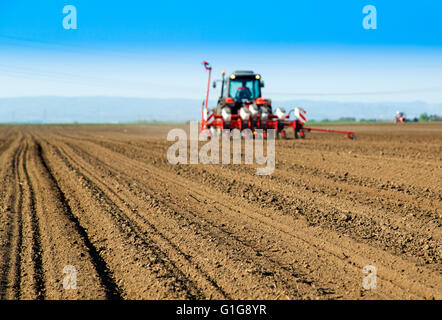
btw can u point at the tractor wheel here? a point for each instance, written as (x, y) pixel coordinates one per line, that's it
(302, 134)
(281, 135)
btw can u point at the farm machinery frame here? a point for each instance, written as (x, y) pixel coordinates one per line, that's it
(241, 106)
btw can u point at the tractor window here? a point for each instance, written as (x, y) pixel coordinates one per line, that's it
(248, 89)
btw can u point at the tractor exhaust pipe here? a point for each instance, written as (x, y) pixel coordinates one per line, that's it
(222, 83)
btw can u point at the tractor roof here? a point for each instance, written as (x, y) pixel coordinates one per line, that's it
(243, 73)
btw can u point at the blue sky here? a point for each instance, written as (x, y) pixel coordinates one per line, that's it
(310, 49)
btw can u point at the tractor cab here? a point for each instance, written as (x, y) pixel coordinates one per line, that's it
(241, 88)
(244, 86)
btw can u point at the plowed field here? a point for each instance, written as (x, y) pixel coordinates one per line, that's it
(105, 200)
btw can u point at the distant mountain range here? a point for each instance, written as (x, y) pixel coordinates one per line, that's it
(122, 109)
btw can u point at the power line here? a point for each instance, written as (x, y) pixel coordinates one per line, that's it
(69, 48)
(30, 73)
(367, 93)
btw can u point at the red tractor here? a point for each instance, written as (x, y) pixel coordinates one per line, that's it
(241, 106)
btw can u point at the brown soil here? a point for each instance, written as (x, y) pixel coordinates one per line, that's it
(105, 200)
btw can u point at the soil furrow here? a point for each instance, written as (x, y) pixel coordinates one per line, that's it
(100, 151)
(364, 226)
(98, 212)
(106, 278)
(136, 238)
(36, 255)
(188, 217)
(137, 219)
(10, 243)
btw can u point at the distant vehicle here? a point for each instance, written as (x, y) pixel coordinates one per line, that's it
(401, 117)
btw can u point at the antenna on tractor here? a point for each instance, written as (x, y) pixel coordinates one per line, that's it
(208, 67)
